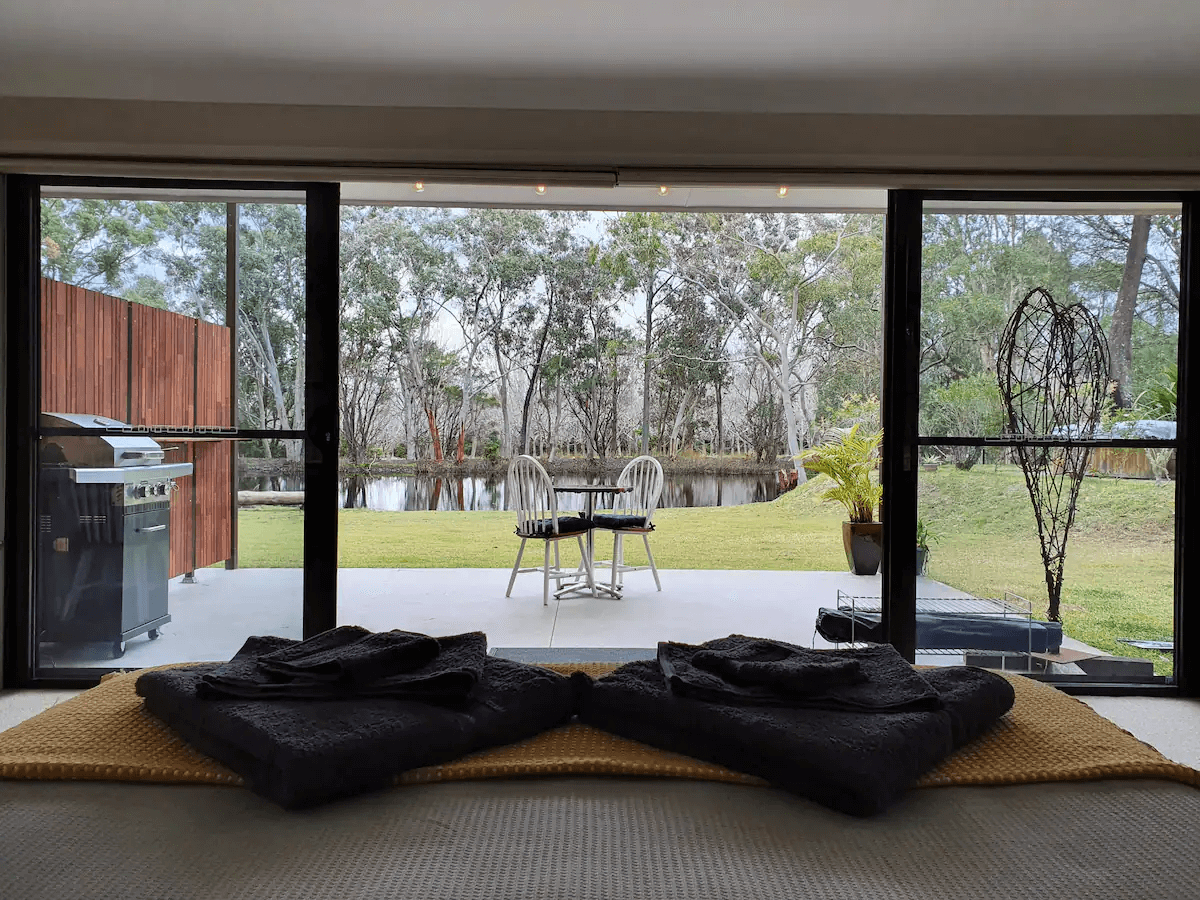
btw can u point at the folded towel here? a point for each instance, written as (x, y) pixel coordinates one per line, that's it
(753, 671)
(857, 762)
(392, 661)
(790, 671)
(353, 655)
(299, 753)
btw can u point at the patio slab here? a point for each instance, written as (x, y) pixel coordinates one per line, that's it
(211, 618)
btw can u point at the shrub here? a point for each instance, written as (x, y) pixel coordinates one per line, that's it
(966, 407)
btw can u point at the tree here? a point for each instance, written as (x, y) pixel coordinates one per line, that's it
(99, 244)
(641, 256)
(568, 270)
(489, 262)
(1120, 329)
(780, 278)
(372, 280)
(588, 365)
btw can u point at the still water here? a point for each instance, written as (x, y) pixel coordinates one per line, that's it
(422, 492)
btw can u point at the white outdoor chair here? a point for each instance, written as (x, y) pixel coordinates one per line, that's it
(633, 513)
(532, 494)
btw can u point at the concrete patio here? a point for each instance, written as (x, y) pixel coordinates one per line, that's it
(211, 618)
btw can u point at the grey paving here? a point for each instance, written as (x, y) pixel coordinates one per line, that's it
(211, 618)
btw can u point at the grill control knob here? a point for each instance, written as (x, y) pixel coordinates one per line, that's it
(139, 490)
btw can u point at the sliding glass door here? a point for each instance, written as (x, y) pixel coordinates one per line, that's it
(165, 407)
(1050, 376)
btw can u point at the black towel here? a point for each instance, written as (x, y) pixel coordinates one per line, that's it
(775, 666)
(353, 655)
(299, 753)
(394, 664)
(853, 761)
(754, 671)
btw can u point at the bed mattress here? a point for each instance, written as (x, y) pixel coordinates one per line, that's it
(582, 838)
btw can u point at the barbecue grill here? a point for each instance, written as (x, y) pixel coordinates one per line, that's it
(104, 510)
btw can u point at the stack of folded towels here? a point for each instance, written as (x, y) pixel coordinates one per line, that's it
(344, 712)
(305, 722)
(850, 729)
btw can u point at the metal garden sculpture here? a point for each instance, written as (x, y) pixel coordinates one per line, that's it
(1052, 369)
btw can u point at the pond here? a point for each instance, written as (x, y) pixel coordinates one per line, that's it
(424, 492)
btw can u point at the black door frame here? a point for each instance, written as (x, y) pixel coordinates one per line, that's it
(900, 402)
(320, 432)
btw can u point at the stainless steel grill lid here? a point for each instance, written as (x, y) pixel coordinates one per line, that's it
(105, 458)
(100, 450)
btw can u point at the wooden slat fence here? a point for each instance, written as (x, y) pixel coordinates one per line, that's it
(177, 376)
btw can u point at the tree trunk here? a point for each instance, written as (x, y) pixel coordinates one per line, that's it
(616, 384)
(1120, 332)
(262, 417)
(433, 435)
(677, 425)
(720, 425)
(296, 448)
(555, 422)
(646, 365)
(506, 443)
(276, 386)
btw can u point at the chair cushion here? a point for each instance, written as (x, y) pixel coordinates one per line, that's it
(545, 527)
(614, 521)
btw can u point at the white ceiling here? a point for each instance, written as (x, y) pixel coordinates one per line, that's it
(953, 56)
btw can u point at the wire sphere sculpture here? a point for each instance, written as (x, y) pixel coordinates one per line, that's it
(1052, 369)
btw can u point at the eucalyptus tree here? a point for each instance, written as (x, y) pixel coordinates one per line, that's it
(1135, 261)
(568, 271)
(779, 277)
(271, 305)
(101, 245)
(977, 267)
(374, 322)
(592, 352)
(641, 254)
(692, 360)
(489, 264)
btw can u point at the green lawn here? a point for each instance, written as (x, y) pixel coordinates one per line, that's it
(1119, 570)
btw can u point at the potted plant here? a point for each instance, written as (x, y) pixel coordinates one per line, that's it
(931, 463)
(849, 462)
(924, 539)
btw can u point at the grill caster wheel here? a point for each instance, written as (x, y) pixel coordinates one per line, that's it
(152, 634)
(118, 649)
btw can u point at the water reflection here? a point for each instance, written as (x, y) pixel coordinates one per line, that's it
(414, 493)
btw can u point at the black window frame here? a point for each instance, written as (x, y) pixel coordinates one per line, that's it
(900, 400)
(319, 433)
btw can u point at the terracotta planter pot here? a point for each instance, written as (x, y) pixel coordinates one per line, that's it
(864, 546)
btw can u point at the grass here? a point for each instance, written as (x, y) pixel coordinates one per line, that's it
(1119, 571)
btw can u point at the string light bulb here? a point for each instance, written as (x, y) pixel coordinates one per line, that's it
(783, 191)
(540, 189)
(663, 190)
(418, 186)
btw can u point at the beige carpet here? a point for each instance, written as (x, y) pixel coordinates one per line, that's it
(105, 735)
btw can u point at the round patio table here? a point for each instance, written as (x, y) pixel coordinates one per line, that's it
(588, 586)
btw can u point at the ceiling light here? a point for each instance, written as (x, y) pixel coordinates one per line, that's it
(540, 189)
(662, 190)
(418, 186)
(783, 191)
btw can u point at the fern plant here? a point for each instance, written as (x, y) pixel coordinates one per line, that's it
(1161, 400)
(849, 461)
